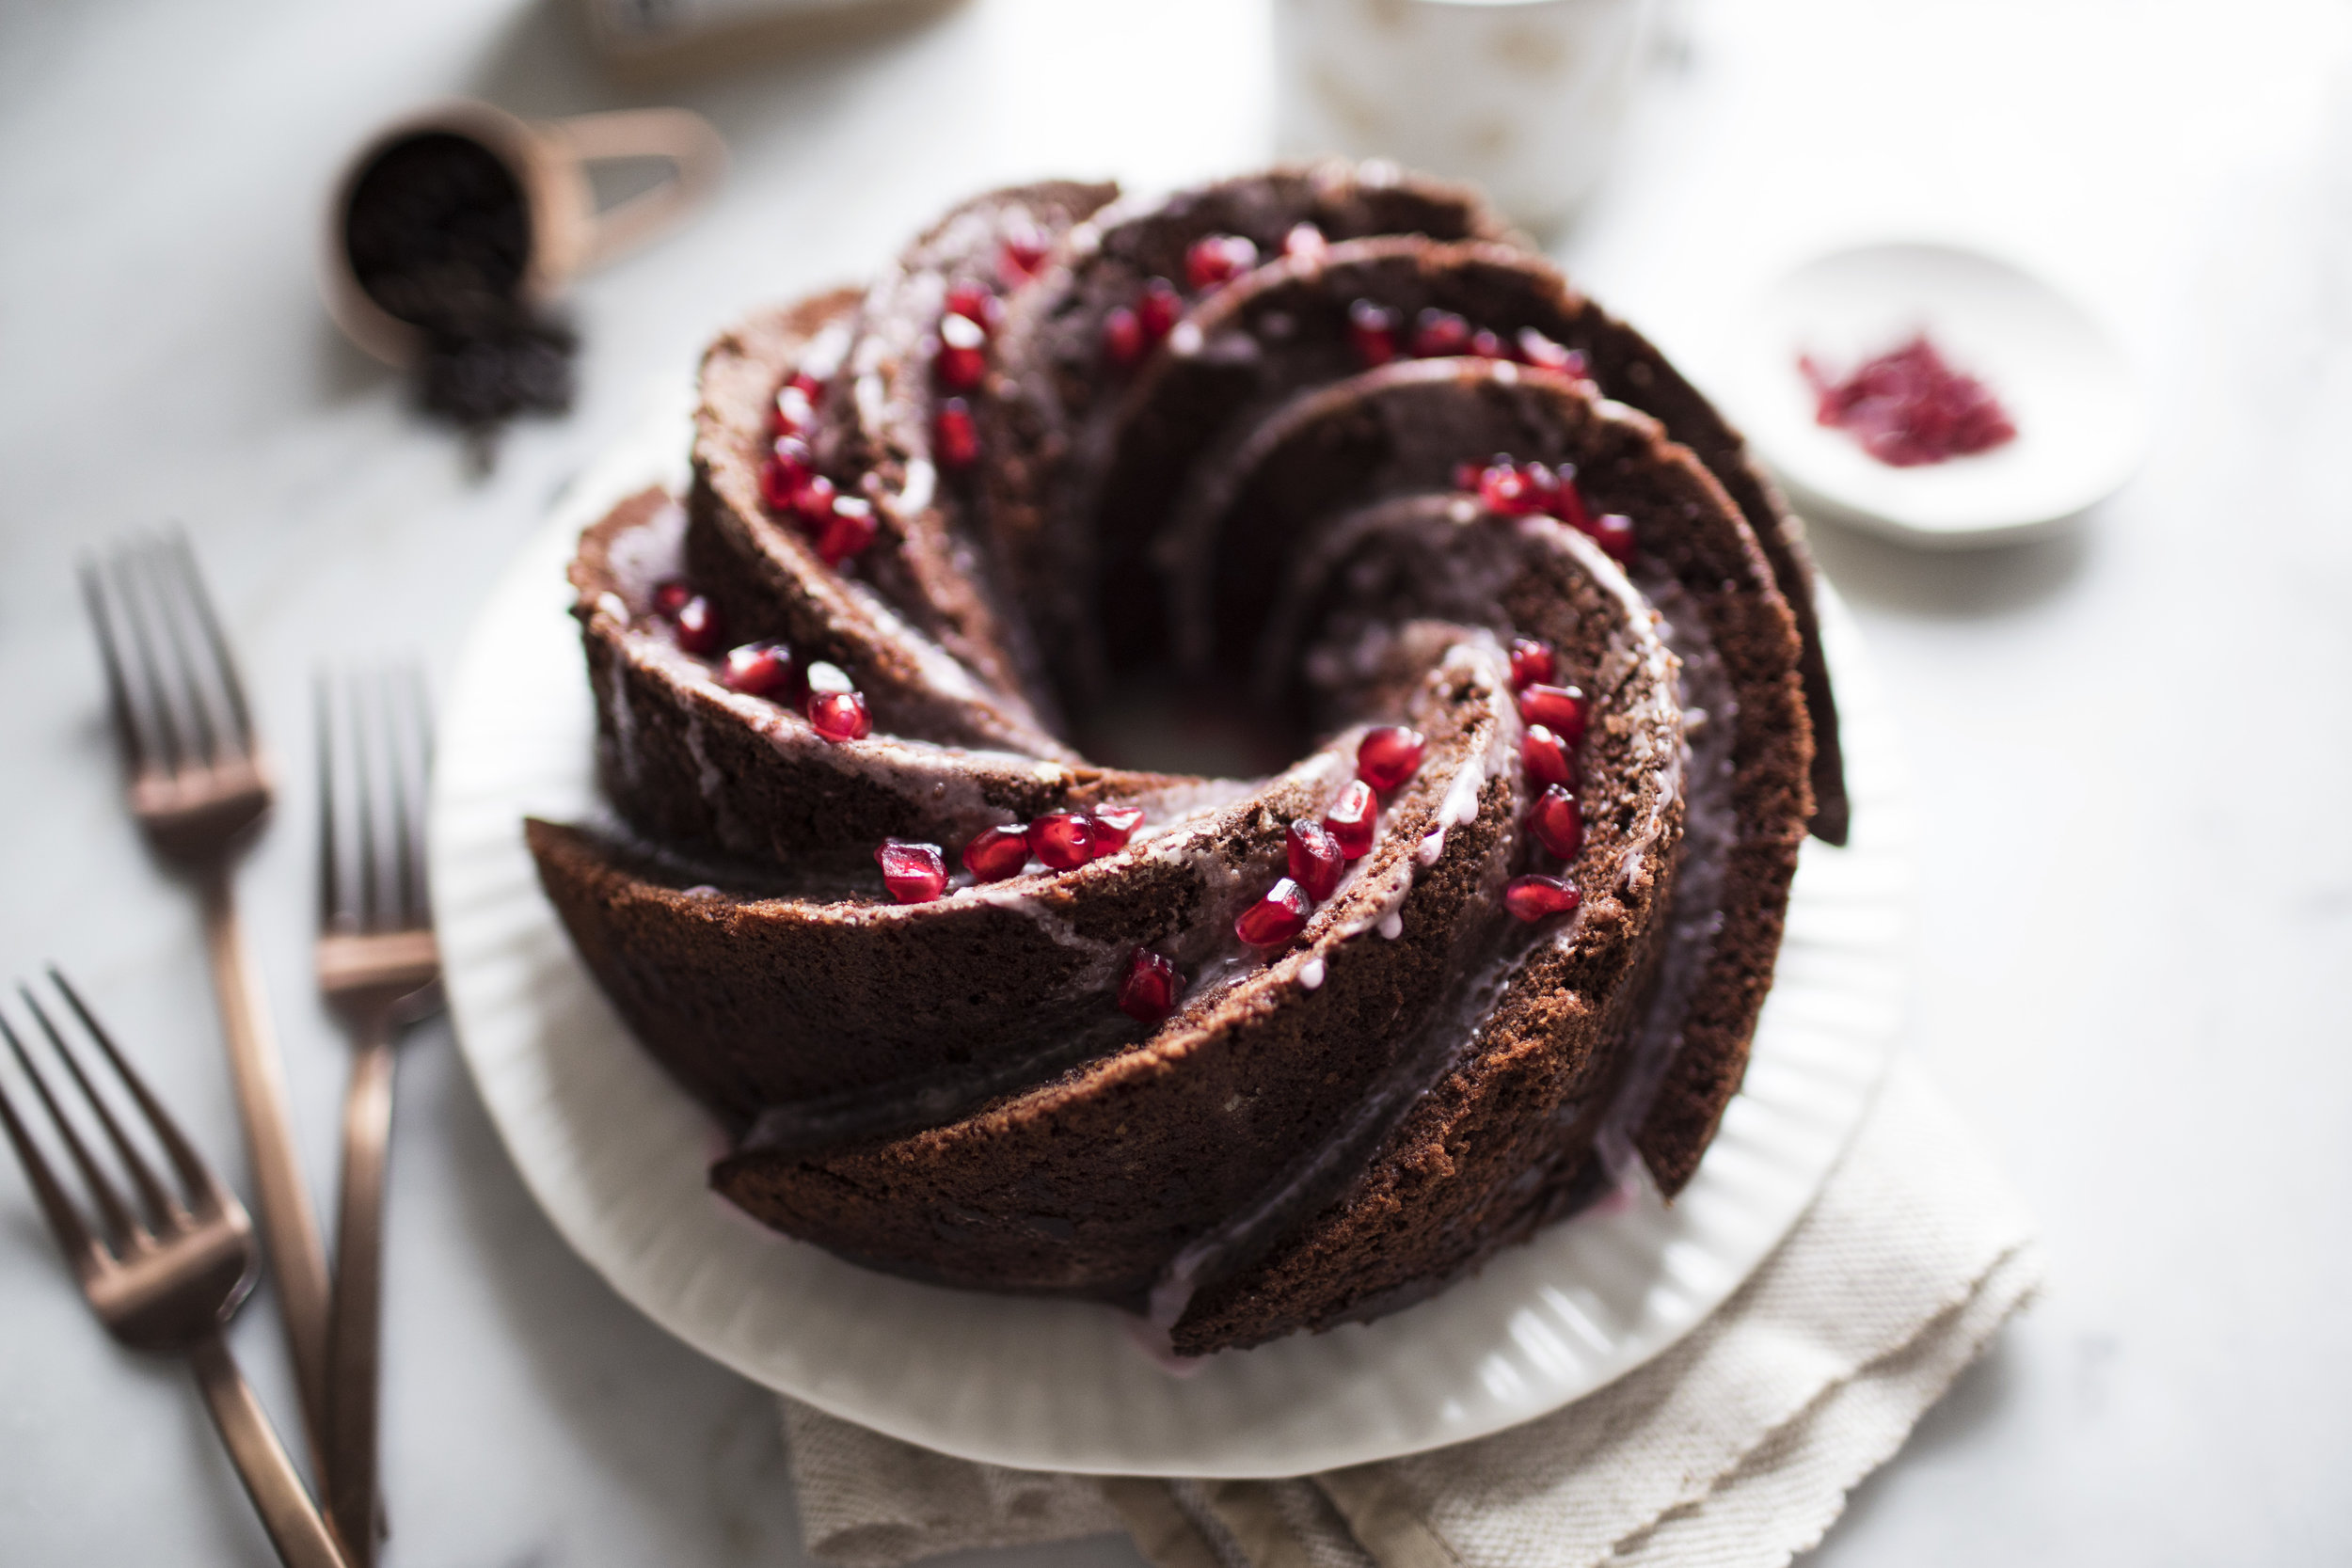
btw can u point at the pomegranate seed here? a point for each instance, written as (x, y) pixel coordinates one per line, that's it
(914, 873)
(700, 627)
(1214, 259)
(1157, 308)
(758, 670)
(788, 466)
(812, 502)
(975, 302)
(1062, 839)
(996, 853)
(953, 434)
(1557, 822)
(1558, 708)
(1487, 344)
(1122, 337)
(1305, 242)
(1532, 663)
(1549, 760)
(1467, 475)
(1613, 532)
(1532, 898)
(962, 364)
(671, 596)
(1439, 333)
(1273, 920)
(1114, 826)
(1371, 329)
(793, 412)
(1315, 859)
(1389, 755)
(1021, 254)
(835, 707)
(1148, 993)
(1541, 351)
(1353, 819)
(1503, 487)
(849, 529)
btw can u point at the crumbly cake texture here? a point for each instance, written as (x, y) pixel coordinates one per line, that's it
(1243, 438)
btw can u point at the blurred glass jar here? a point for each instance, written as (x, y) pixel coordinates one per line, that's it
(1525, 98)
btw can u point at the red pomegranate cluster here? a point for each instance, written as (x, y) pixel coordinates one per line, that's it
(823, 692)
(1554, 716)
(1909, 406)
(837, 526)
(1513, 490)
(1317, 852)
(1060, 840)
(1377, 333)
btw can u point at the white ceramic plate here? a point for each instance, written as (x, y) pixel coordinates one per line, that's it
(616, 1154)
(2081, 431)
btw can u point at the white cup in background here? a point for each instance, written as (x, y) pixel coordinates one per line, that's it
(1524, 98)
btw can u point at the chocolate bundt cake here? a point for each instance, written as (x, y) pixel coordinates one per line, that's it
(1319, 469)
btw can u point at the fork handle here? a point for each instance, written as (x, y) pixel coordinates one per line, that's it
(293, 1521)
(354, 1329)
(290, 1231)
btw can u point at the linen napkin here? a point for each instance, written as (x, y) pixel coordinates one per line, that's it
(1735, 1448)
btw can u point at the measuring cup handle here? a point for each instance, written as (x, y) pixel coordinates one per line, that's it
(688, 141)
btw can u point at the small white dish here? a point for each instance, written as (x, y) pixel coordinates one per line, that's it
(616, 1154)
(2081, 430)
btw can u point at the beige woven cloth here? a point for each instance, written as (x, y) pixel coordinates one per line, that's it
(1735, 1449)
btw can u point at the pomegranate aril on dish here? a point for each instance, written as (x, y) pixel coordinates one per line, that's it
(1532, 663)
(1022, 252)
(836, 708)
(1314, 859)
(701, 630)
(1549, 759)
(671, 596)
(1534, 898)
(1613, 533)
(1389, 755)
(1354, 820)
(975, 303)
(1156, 310)
(758, 670)
(1485, 345)
(1305, 242)
(996, 853)
(963, 361)
(796, 407)
(1371, 330)
(789, 466)
(1557, 822)
(1558, 708)
(1275, 919)
(848, 530)
(954, 436)
(1114, 826)
(1440, 333)
(1214, 259)
(812, 502)
(1148, 991)
(914, 873)
(1122, 337)
(1063, 840)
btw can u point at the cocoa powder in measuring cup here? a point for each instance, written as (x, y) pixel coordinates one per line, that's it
(439, 234)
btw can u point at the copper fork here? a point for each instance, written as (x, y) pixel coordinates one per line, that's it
(198, 782)
(166, 1271)
(378, 966)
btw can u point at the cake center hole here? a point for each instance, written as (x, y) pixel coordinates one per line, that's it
(1156, 720)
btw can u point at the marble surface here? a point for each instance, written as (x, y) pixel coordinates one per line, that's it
(2130, 743)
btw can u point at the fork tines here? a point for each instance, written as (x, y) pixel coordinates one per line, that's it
(178, 701)
(374, 754)
(125, 1230)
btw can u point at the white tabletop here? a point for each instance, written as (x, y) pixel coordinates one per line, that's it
(2130, 745)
